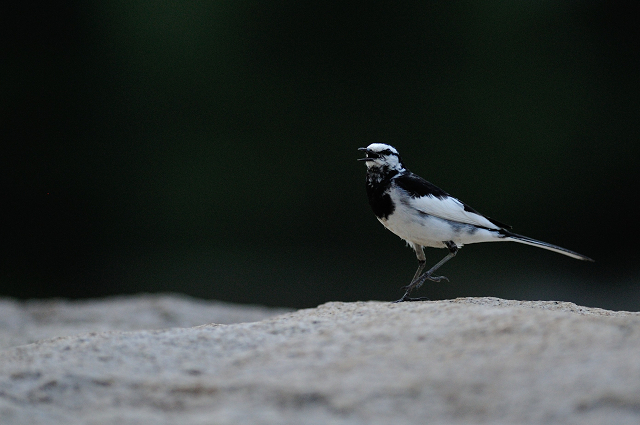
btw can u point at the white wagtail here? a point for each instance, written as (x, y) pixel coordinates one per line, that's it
(424, 215)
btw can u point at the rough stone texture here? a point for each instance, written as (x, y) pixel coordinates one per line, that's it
(465, 361)
(24, 322)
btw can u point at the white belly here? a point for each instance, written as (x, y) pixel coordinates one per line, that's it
(431, 231)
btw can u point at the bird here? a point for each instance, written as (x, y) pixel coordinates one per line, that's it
(423, 215)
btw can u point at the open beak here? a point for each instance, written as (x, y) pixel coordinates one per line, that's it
(370, 155)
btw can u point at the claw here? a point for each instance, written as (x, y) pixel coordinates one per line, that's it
(419, 279)
(403, 299)
(438, 278)
(421, 282)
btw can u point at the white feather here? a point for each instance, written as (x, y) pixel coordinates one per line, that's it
(428, 229)
(450, 209)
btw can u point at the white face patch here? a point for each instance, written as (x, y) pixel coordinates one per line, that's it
(389, 157)
(379, 147)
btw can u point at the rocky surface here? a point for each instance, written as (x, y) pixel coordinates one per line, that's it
(24, 322)
(464, 361)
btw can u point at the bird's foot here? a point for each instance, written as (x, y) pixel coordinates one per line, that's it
(438, 278)
(403, 299)
(417, 284)
(420, 281)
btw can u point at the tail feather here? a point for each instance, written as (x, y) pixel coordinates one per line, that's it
(533, 242)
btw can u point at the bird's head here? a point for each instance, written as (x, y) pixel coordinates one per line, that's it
(381, 156)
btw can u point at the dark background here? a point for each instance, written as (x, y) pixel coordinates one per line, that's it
(209, 147)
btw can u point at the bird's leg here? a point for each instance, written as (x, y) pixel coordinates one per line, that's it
(453, 250)
(418, 281)
(421, 264)
(409, 288)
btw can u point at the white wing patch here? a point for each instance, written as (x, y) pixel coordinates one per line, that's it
(450, 209)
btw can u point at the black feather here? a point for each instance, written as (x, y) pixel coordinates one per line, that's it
(380, 201)
(417, 187)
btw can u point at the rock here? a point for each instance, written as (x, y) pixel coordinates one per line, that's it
(464, 361)
(24, 322)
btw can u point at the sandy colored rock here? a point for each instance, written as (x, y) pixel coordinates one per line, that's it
(465, 361)
(24, 322)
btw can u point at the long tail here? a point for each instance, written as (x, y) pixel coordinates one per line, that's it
(533, 242)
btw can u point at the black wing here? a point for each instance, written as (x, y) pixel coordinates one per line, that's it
(417, 187)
